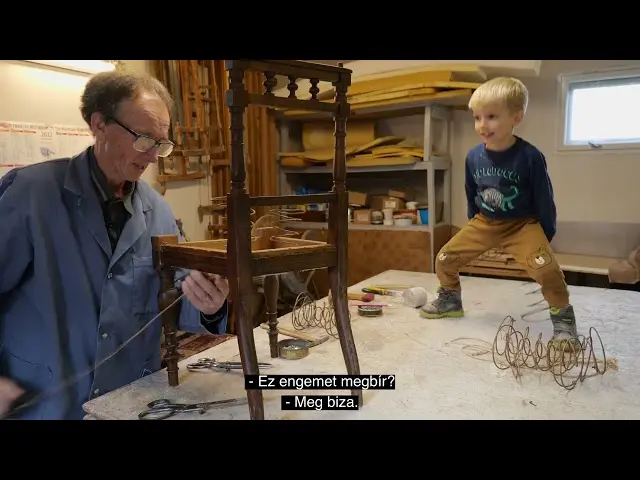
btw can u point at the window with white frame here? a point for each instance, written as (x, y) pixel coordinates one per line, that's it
(600, 111)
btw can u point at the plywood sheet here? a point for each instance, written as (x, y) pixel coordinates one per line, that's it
(434, 73)
(372, 161)
(444, 97)
(384, 151)
(326, 154)
(411, 90)
(319, 135)
(407, 97)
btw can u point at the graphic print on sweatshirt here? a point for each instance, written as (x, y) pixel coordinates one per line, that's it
(500, 188)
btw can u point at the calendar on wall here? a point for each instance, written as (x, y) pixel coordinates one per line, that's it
(26, 143)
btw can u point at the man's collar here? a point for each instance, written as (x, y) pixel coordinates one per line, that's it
(105, 191)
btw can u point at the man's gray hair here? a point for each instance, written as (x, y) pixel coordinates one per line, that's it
(104, 92)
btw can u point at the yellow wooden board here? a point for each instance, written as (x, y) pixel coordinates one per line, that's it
(295, 162)
(381, 151)
(444, 97)
(326, 154)
(384, 95)
(424, 74)
(319, 135)
(390, 151)
(448, 97)
(385, 156)
(382, 162)
(362, 160)
(416, 88)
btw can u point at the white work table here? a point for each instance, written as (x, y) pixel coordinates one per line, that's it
(436, 377)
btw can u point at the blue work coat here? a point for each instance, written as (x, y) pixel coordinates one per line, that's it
(67, 301)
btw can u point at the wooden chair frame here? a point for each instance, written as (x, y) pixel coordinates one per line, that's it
(239, 258)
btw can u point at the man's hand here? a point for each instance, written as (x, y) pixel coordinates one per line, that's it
(9, 392)
(206, 294)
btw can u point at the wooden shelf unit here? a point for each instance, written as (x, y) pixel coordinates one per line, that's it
(435, 169)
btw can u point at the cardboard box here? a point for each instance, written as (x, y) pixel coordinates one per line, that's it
(362, 216)
(381, 202)
(358, 199)
(404, 195)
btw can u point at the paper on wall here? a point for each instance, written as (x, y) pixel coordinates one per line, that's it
(26, 143)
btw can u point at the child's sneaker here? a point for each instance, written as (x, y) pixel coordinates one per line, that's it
(564, 324)
(448, 304)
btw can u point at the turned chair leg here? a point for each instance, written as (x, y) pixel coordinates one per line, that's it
(271, 286)
(246, 343)
(168, 295)
(343, 325)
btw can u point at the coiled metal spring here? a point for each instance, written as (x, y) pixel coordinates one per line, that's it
(307, 313)
(569, 361)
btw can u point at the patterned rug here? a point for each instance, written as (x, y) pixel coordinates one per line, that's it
(192, 344)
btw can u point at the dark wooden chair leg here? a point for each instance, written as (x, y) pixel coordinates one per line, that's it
(343, 325)
(271, 287)
(239, 241)
(338, 232)
(167, 296)
(248, 356)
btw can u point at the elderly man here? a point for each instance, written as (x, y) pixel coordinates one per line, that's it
(76, 271)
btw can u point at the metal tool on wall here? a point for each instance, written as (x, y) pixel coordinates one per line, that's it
(197, 128)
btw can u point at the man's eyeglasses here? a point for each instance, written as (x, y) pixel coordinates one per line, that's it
(144, 143)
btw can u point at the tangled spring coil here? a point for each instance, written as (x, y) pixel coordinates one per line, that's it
(307, 313)
(569, 362)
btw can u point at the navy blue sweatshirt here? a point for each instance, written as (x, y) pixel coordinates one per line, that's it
(510, 184)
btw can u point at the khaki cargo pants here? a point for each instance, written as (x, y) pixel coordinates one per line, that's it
(524, 239)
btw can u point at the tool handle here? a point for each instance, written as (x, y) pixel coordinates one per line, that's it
(379, 291)
(367, 297)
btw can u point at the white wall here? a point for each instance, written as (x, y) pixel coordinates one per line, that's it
(34, 93)
(41, 95)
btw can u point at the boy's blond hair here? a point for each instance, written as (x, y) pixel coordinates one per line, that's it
(507, 90)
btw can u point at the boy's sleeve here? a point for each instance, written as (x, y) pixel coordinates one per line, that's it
(471, 189)
(543, 194)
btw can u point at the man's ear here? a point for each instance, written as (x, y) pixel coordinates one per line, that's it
(98, 125)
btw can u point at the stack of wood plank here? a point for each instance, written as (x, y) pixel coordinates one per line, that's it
(446, 84)
(436, 85)
(495, 262)
(376, 152)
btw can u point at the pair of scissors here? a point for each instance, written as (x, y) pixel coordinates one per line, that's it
(207, 363)
(163, 408)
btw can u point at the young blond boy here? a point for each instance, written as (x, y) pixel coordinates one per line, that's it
(510, 204)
